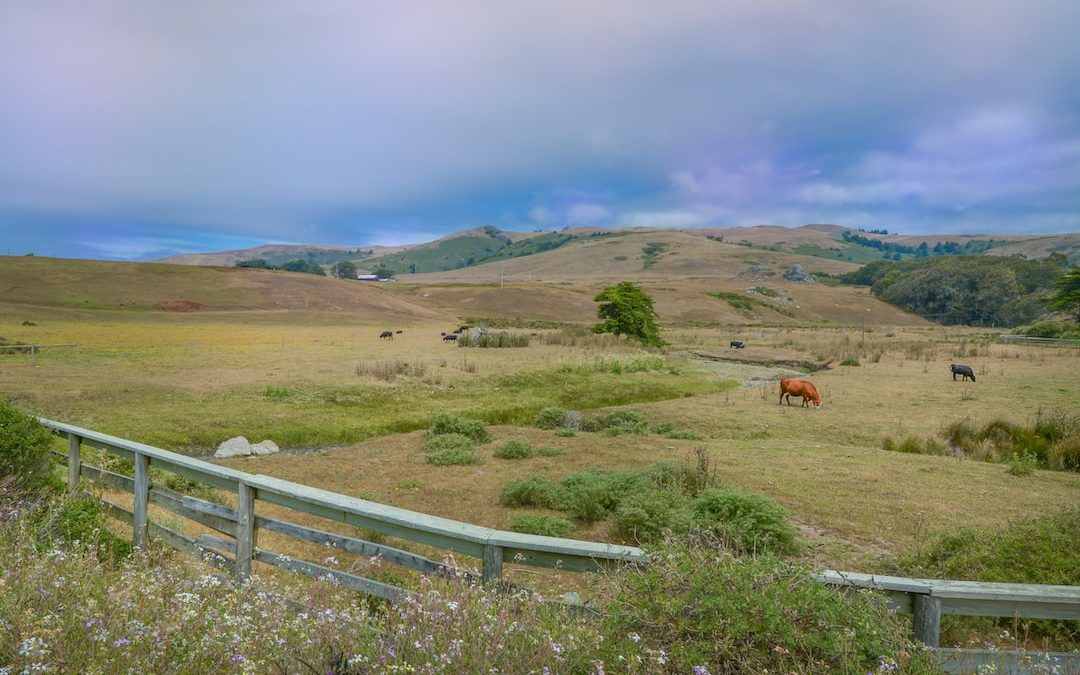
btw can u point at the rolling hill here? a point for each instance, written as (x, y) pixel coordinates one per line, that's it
(90, 285)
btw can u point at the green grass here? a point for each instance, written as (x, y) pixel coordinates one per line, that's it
(747, 305)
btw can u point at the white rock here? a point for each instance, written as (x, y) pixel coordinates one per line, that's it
(234, 447)
(267, 447)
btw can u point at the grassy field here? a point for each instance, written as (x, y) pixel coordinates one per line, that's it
(351, 407)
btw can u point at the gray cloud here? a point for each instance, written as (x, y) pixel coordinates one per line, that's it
(257, 119)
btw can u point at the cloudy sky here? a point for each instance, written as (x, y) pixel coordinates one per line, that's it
(140, 129)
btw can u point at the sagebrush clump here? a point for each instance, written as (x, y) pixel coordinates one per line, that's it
(446, 423)
(515, 449)
(24, 450)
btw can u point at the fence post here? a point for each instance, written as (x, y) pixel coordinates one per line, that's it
(142, 498)
(493, 562)
(245, 530)
(74, 462)
(927, 620)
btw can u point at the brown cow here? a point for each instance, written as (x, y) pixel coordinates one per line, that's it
(794, 386)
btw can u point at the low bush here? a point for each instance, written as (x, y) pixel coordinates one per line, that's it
(592, 494)
(696, 606)
(668, 430)
(624, 421)
(24, 450)
(550, 418)
(81, 520)
(1062, 330)
(531, 491)
(446, 423)
(1065, 454)
(565, 433)
(451, 448)
(448, 442)
(548, 451)
(515, 449)
(548, 526)
(1023, 464)
(452, 456)
(642, 517)
(850, 361)
(749, 522)
(493, 340)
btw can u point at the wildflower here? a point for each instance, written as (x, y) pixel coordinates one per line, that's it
(887, 665)
(701, 670)
(634, 637)
(122, 642)
(453, 605)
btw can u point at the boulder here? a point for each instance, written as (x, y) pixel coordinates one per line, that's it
(234, 447)
(266, 447)
(799, 275)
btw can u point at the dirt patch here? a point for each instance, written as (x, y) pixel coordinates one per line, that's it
(764, 358)
(179, 306)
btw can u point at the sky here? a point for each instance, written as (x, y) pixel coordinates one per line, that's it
(134, 130)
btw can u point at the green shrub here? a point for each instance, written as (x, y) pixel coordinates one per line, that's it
(1065, 454)
(850, 361)
(493, 340)
(1023, 464)
(548, 526)
(454, 456)
(565, 432)
(626, 421)
(515, 449)
(697, 606)
(531, 491)
(82, 519)
(592, 494)
(446, 423)
(642, 517)
(960, 435)
(1055, 425)
(24, 450)
(550, 418)
(449, 441)
(750, 522)
(547, 451)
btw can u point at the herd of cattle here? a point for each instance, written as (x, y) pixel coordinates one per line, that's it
(452, 336)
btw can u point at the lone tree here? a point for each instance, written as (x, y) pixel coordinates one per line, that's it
(1067, 296)
(346, 269)
(625, 309)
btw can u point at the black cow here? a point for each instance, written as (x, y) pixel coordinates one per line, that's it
(450, 338)
(960, 369)
(736, 344)
(399, 332)
(386, 335)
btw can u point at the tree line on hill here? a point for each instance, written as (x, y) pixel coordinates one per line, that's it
(343, 269)
(896, 251)
(971, 290)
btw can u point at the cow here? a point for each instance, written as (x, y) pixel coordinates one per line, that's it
(960, 369)
(450, 338)
(737, 344)
(793, 386)
(386, 335)
(399, 332)
(459, 331)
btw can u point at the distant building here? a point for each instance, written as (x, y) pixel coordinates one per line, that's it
(372, 277)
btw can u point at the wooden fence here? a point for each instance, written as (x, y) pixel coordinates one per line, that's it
(1030, 340)
(926, 599)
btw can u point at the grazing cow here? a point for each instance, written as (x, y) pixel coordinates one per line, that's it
(793, 386)
(399, 332)
(459, 331)
(737, 344)
(960, 369)
(386, 335)
(450, 338)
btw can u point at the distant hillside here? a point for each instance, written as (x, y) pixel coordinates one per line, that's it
(277, 254)
(469, 248)
(97, 285)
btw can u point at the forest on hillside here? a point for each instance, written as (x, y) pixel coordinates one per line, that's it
(970, 290)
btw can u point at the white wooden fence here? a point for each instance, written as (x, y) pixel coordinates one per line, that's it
(926, 599)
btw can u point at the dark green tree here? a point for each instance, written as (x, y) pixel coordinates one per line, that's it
(301, 265)
(383, 272)
(1066, 296)
(255, 263)
(346, 269)
(625, 309)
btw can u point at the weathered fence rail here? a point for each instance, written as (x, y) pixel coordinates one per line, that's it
(1031, 340)
(926, 599)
